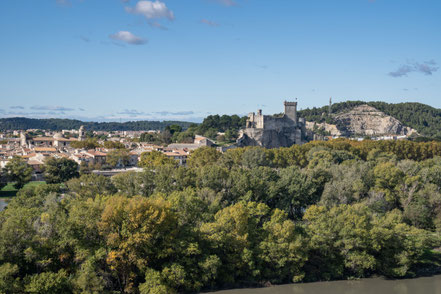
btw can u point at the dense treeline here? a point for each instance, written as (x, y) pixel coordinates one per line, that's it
(424, 118)
(55, 124)
(222, 129)
(251, 216)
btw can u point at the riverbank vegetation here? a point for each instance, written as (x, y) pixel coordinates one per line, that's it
(251, 216)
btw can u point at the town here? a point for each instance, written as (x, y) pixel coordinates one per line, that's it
(111, 152)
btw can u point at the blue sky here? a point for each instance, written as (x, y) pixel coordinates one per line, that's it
(185, 59)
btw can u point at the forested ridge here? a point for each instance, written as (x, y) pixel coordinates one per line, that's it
(56, 124)
(251, 216)
(423, 118)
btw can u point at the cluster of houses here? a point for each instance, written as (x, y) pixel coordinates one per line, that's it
(36, 149)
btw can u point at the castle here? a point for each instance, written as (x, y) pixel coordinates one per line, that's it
(273, 131)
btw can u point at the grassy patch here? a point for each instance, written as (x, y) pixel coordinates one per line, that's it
(9, 190)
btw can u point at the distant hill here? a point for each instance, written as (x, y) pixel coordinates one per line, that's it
(55, 124)
(421, 117)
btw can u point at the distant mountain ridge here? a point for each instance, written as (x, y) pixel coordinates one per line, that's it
(426, 120)
(55, 124)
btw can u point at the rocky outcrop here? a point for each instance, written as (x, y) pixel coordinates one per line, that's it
(364, 120)
(329, 128)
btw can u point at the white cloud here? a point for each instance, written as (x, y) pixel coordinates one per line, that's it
(128, 37)
(427, 68)
(209, 22)
(152, 10)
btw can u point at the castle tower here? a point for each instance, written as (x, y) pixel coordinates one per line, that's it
(81, 134)
(291, 110)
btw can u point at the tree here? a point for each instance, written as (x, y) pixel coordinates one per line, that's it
(283, 249)
(3, 179)
(127, 183)
(154, 159)
(91, 185)
(114, 145)
(9, 278)
(173, 129)
(203, 156)
(351, 241)
(296, 190)
(139, 233)
(60, 170)
(49, 283)
(254, 157)
(18, 171)
(387, 179)
(234, 235)
(118, 158)
(90, 143)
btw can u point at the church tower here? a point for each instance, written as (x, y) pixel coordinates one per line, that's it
(81, 134)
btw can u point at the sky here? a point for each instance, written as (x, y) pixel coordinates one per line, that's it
(120, 60)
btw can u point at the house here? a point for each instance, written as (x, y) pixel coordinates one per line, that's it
(179, 155)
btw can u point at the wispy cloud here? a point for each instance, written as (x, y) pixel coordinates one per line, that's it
(157, 25)
(209, 22)
(128, 37)
(225, 2)
(51, 108)
(263, 66)
(152, 10)
(426, 68)
(168, 113)
(17, 107)
(63, 2)
(131, 112)
(85, 39)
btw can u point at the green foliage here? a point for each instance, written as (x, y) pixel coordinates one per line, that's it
(49, 283)
(247, 217)
(90, 185)
(60, 170)
(114, 145)
(9, 278)
(90, 143)
(347, 240)
(153, 159)
(118, 158)
(18, 171)
(203, 156)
